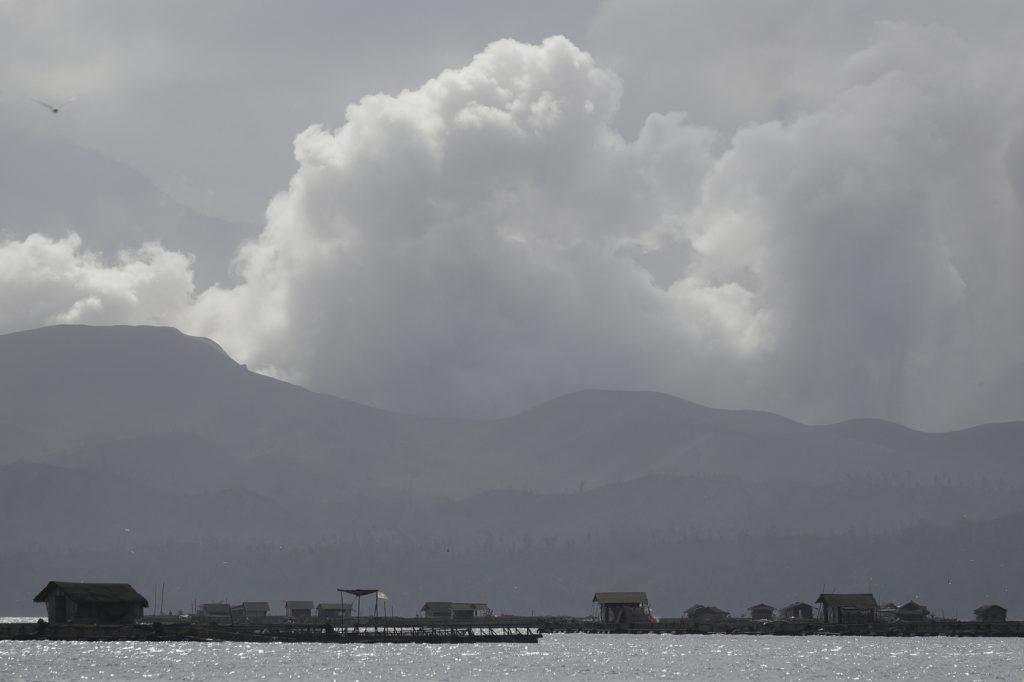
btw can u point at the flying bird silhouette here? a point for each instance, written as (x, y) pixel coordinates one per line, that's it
(55, 109)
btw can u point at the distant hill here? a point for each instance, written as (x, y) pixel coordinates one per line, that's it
(109, 204)
(161, 406)
(166, 408)
(107, 428)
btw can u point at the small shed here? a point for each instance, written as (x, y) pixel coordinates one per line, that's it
(698, 613)
(762, 612)
(93, 603)
(912, 612)
(887, 612)
(798, 610)
(854, 607)
(455, 610)
(218, 611)
(990, 613)
(298, 610)
(623, 608)
(253, 610)
(333, 610)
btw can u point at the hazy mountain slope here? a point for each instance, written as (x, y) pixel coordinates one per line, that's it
(997, 448)
(110, 205)
(866, 504)
(593, 438)
(47, 506)
(163, 407)
(154, 394)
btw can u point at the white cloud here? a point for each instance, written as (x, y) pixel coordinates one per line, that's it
(454, 248)
(490, 239)
(53, 281)
(476, 244)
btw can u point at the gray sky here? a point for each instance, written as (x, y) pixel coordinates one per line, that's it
(465, 208)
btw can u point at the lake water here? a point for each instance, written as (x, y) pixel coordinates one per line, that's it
(577, 657)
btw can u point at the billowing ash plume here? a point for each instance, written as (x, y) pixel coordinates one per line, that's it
(489, 240)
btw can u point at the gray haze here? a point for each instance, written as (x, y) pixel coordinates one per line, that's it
(464, 209)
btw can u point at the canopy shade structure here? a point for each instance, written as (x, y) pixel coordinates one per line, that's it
(359, 594)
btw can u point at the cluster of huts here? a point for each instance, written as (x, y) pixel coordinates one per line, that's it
(631, 608)
(306, 612)
(259, 611)
(120, 603)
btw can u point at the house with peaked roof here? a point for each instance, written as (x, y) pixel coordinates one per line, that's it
(298, 610)
(798, 610)
(762, 612)
(250, 611)
(912, 612)
(855, 607)
(698, 613)
(216, 611)
(92, 603)
(333, 610)
(990, 613)
(623, 608)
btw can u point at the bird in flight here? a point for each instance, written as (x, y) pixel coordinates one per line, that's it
(55, 109)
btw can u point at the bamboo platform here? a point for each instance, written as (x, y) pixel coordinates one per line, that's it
(508, 629)
(802, 628)
(311, 633)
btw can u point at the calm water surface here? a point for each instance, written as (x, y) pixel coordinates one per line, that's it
(578, 657)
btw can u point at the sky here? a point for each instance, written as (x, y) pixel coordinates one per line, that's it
(466, 208)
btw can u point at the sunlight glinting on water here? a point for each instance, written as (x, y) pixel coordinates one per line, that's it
(578, 657)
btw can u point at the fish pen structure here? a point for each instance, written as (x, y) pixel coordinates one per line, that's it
(371, 633)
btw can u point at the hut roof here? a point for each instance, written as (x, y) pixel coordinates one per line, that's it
(699, 609)
(987, 607)
(333, 606)
(94, 593)
(256, 605)
(797, 605)
(854, 600)
(454, 605)
(217, 609)
(621, 597)
(762, 605)
(298, 604)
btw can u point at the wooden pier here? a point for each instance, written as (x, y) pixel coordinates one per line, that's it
(802, 628)
(448, 633)
(507, 629)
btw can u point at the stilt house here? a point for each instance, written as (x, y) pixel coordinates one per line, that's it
(847, 608)
(623, 608)
(698, 613)
(912, 612)
(333, 611)
(990, 613)
(94, 603)
(798, 610)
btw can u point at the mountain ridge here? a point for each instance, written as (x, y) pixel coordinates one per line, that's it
(96, 390)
